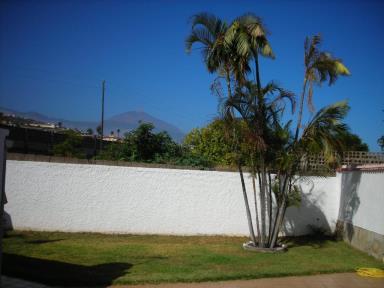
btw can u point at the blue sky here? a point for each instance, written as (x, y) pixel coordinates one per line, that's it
(54, 54)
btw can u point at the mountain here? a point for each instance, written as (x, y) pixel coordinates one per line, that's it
(130, 120)
(29, 115)
(124, 121)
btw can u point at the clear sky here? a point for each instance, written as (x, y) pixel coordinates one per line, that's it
(54, 54)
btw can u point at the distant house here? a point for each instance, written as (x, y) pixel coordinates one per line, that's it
(43, 125)
(111, 138)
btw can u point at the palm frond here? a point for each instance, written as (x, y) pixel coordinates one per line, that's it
(341, 69)
(324, 132)
(249, 35)
(209, 21)
(320, 67)
(266, 51)
(230, 34)
(243, 44)
(199, 35)
(283, 95)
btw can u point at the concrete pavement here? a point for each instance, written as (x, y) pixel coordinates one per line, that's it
(340, 280)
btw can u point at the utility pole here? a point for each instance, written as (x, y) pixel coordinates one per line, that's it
(102, 114)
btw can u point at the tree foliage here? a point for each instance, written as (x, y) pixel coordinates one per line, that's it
(210, 143)
(89, 131)
(71, 146)
(144, 145)
(352, 142)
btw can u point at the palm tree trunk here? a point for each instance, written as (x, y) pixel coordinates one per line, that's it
(257, 72)
(279, 221)
(264, 205)
(250, 226)
(256, 209)
(280, 212)
(262, 186)
(259, 93)
(270, 206)
(228, 80)
(261, 238)
(301, 109)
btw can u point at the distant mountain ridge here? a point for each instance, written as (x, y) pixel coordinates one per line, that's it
(125, 122)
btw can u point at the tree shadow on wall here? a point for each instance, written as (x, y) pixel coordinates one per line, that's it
(51, 272)
(7, 221)
(349, 200)
(308, 219)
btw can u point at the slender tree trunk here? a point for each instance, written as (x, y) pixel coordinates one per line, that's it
(261, 239)
(280, 212)
(257, 70)
(256, 209)
(300, 116)
(269, 207)
(264, 204)
(278, 208)
(262, 185)
(279, 221)
(259, 93)
(262, 211)
(249, 218)
(228, 80)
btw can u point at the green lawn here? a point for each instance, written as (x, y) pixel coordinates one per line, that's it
(97, 259)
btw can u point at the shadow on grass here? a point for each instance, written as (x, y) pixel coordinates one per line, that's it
(13, 235)
(62, 274)
(41, 241)
(35, 241)
(314, 241)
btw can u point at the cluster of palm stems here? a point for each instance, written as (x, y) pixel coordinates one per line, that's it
(273, 153)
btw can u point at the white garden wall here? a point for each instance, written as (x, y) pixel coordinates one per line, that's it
(319, 206)
(362, 209)
(362, 200)
(98, 198)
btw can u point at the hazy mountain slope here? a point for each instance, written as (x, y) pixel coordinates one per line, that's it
(124, 121)
(129, 120)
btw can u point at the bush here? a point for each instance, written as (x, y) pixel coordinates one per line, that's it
(71, 146)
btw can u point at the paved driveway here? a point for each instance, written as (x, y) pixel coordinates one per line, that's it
(341, 280)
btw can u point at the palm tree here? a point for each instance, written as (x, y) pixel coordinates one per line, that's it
(254, 144)
(319, 67)
(219, 57)
(248, 34)
(209, 31)
(324, 133)
(89, 131)
(253, 117)
(99, 131)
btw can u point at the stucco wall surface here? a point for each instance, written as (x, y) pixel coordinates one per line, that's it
(97, 198)
(319, 207)
(362, 200)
